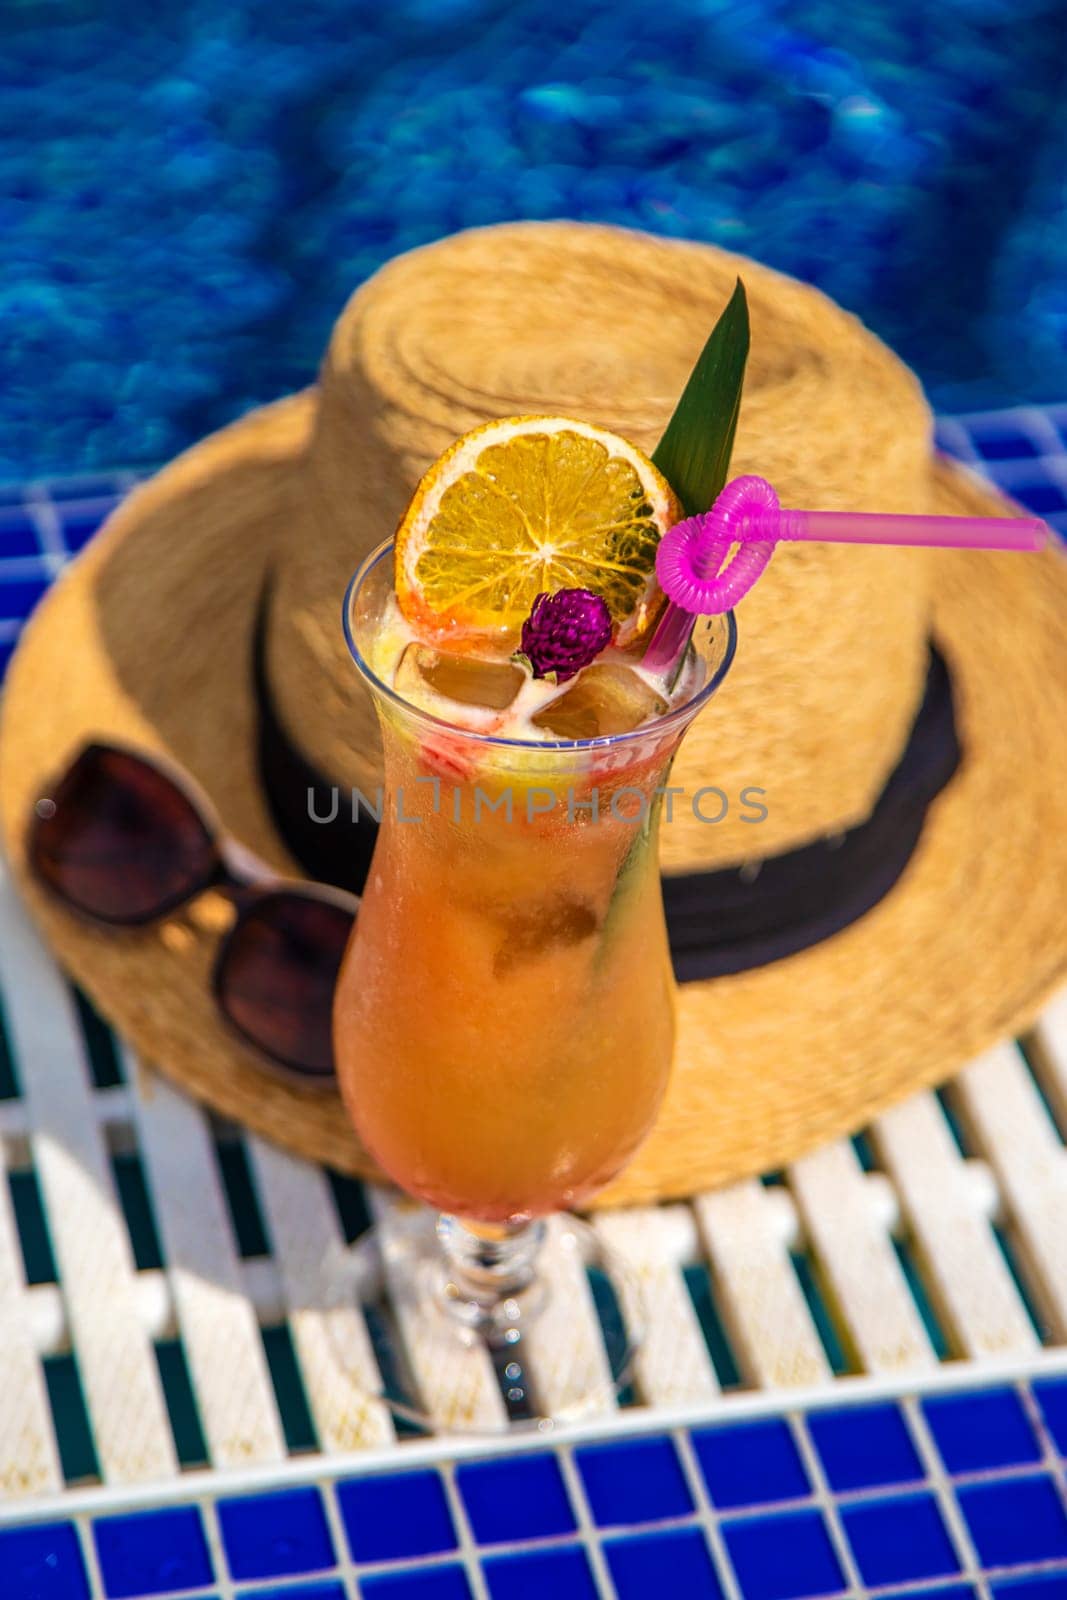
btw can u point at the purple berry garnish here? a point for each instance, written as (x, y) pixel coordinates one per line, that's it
(564, 632)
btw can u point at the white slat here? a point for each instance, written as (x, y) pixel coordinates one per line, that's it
(329, 1332)
(567, 1363)
(116, 1362)
(1049, 1040)
(457, 1382)
(1006, 1114)
(768, 1316)
(672, 1365)
(850, 1238)
(113, 1109)
(218, 1324)
(968, 1278)
(153, 1293)
(28, 1460)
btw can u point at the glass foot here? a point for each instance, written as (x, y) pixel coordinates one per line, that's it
(482, 1331)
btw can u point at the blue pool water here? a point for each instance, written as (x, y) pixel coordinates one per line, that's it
(189, 191)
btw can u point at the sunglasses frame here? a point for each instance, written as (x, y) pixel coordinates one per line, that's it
(245, 879)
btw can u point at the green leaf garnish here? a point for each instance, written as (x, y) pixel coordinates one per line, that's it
(694, 453)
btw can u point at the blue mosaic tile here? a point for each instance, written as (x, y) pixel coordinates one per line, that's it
(562, 1572)
(426, 1583)
(272, 1535)
(783, 1557)
(18, 533)
(638, 1565)
(43, 1562)
(1015, 1520)
(395, 1515)
(750, 1463)
(1046, 1586)
(1003, 443)
(1051, 1396)
(1044, 498)
(977, 1431)
(152, 1552)
(520, 1498)
(637, 1480)
(862, 1447)
(894, 1540)
(18, 596)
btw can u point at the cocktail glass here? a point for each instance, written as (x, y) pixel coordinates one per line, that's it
(504, 1017)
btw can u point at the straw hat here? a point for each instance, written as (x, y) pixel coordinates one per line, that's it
(932, 917)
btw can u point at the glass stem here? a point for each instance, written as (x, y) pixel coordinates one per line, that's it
(491, 1282)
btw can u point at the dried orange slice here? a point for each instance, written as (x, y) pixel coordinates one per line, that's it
(526, 505)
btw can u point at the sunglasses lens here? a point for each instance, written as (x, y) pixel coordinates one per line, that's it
(276, 975)
(120, 840)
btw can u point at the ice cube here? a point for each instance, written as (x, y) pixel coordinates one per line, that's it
(470, 680)
(605, 698)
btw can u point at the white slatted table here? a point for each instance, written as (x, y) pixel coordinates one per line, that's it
(826, 1275)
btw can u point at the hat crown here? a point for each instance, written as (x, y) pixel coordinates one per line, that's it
(605, 324)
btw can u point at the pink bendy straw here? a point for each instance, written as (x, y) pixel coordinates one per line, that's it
(689, 561)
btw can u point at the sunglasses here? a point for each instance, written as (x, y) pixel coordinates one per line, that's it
(124, 841)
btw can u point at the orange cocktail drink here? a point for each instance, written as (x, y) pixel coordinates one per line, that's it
(504, 1022)
(504, 1017)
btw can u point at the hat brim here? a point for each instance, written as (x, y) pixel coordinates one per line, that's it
(963, 950)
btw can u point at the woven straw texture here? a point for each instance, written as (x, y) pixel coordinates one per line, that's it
(146, 638)
(605, 325)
